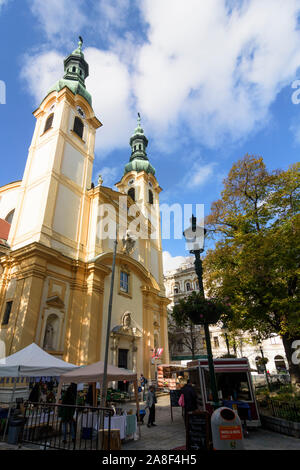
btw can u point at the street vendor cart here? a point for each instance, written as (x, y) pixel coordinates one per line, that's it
(234, 384)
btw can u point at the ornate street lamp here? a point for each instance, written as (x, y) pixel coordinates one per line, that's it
(194, 237)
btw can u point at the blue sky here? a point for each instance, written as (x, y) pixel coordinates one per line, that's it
(212, 81)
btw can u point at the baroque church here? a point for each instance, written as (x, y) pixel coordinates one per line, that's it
(55, 267)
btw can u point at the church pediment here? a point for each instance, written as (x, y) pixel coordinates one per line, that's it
(55, 301)
(127, 331)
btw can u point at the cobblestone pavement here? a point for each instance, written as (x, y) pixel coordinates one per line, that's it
(168, 434)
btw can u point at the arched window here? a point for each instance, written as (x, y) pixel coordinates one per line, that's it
(176, 290)
(140, 146)
(74, 69)
(131, 193)
(188, 286)
(78, 127)
(9, 216)
(49, 122)
(150, 197)
(279, 364)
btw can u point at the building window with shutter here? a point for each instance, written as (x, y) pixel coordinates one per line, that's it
(7, 312)
(49, 122)
(78, 127)
(150, 197)
(131, 193)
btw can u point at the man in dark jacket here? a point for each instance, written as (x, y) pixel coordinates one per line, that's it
(190, 398)
(67, 412)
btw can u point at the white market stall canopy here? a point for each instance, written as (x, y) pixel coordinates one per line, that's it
(94, 373)
(33, 361)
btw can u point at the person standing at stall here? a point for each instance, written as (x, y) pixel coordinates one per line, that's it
(150, 403)
(67, 412)
(190, 398)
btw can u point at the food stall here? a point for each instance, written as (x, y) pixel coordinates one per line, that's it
(126, 423)
(234, 383)
(170, 376)
(30, 362)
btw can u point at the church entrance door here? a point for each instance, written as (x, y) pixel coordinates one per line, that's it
(123, 362)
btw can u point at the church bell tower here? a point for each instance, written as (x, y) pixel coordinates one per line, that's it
(140, 183)
(53, 200)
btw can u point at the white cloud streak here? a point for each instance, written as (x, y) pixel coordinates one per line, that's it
(213, 68)
(170, 263)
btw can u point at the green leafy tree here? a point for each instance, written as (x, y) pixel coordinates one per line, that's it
(192, 311)
(255, 264)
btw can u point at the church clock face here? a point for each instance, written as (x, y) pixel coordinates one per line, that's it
(80, 112)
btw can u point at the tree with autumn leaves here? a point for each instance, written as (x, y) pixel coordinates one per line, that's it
(255, 265)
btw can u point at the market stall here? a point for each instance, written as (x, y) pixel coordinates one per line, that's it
(32, 361)
(169, 375)
(94, 373)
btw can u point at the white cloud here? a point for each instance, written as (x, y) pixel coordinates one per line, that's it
(41, 71)
(211, 68)
(60, 18)
(198, 175)
(109, 175)
(216, 72)
(170, 263)
(3, 2)
(110, 86)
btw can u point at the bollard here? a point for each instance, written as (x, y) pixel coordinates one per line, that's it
(227, 432)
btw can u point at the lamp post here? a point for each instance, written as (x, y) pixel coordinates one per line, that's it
(194, 237)
(264, 366)
(104, 380)
(224, 328)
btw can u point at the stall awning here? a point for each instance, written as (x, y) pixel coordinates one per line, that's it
(94, 373)
(33, 361)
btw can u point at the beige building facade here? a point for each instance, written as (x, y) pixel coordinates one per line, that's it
(55, 270)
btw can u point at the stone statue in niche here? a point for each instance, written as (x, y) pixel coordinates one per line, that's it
(49, 334)
(126, 321)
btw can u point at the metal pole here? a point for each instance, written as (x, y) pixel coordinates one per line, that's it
(104, 380)
(227, 343)
(213, 382)
(266, 373)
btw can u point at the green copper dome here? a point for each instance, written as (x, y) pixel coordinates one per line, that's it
(76, 71)
(138, 159)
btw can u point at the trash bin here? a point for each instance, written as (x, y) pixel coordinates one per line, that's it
(15, 426)
(226, 428)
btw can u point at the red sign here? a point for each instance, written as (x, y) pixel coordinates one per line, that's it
(231, 433)
(157, 353)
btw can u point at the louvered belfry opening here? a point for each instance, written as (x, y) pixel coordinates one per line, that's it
(49, 122)
(78, 127)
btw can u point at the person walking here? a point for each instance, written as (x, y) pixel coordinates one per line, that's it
(67, 412)
(144, 382)
(150, 403)
(190, 398)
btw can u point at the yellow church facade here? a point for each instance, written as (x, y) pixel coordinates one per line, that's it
(56, 263)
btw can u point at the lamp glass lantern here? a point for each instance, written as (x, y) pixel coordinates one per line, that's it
(194, 236)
